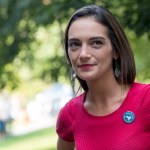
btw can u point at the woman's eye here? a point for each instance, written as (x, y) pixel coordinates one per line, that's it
(97, 43)
(74, 45)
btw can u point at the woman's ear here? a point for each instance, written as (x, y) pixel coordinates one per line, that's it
(115, 55)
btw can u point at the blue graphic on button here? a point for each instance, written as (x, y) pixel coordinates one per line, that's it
(128, 117)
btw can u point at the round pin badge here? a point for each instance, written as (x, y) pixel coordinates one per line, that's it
(128, 117)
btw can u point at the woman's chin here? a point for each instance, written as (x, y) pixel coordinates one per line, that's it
(87, 78)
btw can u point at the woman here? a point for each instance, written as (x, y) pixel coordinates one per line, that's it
(114, 112)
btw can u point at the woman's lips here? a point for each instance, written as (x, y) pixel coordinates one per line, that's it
(86, 66)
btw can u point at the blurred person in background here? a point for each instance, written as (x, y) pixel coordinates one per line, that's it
(114, 111)
(2, 128)
(4, 114)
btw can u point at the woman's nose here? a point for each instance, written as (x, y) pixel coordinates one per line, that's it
(84, 53)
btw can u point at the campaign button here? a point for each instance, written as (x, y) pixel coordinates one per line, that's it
(128, 117)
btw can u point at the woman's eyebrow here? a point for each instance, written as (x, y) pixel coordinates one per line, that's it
(97, 38)
(92, 38)
(73, 39)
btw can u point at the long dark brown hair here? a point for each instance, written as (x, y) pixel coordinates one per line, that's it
(118, 40)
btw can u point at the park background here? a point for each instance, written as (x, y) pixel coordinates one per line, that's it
(34, 76)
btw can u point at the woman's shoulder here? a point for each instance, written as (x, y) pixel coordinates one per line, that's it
(142, 90)
(66, 117)
(139, 84)
(139, 92)
(140, 87)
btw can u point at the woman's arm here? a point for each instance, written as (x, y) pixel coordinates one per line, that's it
(65, 145)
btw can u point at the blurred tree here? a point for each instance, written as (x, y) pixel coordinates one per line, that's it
(16, 33)
(21, 19)
(136, 16)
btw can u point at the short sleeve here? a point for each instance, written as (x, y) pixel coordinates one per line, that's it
(64, 123)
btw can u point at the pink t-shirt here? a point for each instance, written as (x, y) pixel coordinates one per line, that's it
(127, 128)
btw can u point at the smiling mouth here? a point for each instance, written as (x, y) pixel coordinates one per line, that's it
(85, 66)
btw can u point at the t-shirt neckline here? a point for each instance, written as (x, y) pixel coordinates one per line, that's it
(112, 113)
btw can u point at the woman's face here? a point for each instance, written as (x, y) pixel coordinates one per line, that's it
(90, 50)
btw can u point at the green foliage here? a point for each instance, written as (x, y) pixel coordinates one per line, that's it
(8, 71)
(20, 20)
(137, 16)
(16, 33)
(133, 14)
(141, 47)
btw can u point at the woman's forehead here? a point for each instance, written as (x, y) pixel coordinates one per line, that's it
(87, 26)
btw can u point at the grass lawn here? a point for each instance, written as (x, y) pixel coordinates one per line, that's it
(44, 139)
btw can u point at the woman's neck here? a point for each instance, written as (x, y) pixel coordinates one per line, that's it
(106, 93)
(103, 101)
